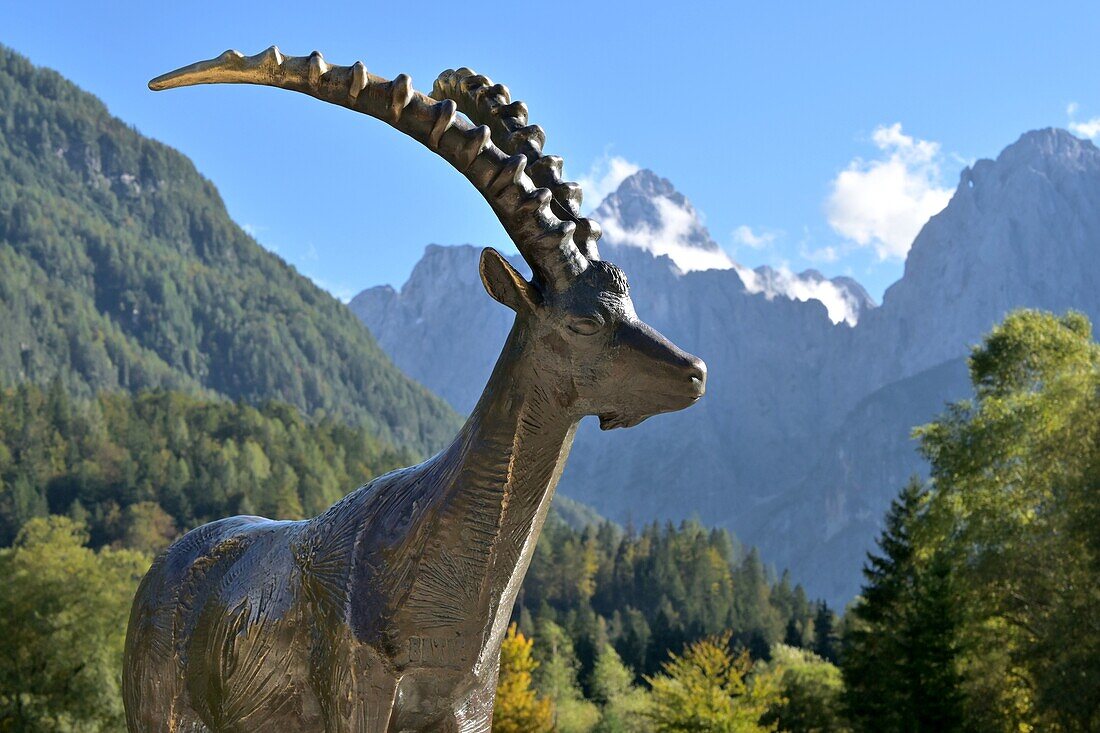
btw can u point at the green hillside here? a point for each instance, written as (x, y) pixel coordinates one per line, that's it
(136, 470)
(121, 269)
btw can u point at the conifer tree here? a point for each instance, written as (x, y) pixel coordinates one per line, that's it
(826, 639)
(622, 704)
(900, 660)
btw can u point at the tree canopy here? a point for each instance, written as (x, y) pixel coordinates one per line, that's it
(982, 611)
(63, 611)
(138, 469)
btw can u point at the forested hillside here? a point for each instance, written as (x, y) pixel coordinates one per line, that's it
(99, 485)
(120, 268)
(139, 470)
(650, 591)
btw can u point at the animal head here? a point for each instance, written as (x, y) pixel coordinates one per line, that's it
(587, 341)
(576, 315)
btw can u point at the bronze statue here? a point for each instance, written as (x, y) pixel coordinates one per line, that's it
(386, 613)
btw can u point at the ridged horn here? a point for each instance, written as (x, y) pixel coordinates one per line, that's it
(526, 210)
(491, 104)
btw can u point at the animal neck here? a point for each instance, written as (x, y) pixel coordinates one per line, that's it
(498, 477)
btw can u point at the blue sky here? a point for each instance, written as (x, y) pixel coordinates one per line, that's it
(809, 134)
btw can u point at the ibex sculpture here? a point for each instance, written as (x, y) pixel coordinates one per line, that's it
(386, 613)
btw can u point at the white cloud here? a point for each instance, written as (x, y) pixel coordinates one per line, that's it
(754, 240)
(605, 175)
(1087, 129)
(839, 302)
(884, 202)
(821, 254)
(673, 238)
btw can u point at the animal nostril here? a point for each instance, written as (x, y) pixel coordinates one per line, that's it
(697, 370)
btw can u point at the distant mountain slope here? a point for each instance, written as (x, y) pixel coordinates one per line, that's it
(823, 527)
(724, 459)
(120, 268)
(803, 437)
(442, 316)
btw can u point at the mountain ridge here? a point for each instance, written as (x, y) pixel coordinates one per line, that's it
(121, 269)
(792, 394)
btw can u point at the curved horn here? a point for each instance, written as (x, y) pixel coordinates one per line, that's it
(544, 239)
(491, 104)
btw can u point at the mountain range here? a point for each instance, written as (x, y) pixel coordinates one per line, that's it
(804, 435)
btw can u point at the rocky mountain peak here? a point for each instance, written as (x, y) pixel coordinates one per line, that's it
(1049, 147)
(1020, 231)
(647, 212)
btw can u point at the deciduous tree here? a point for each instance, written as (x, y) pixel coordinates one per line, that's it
(518, 709)
(63, 612)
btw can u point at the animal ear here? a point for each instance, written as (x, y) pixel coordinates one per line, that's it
(505, 284)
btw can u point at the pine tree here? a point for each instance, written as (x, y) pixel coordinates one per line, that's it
(826, 639)
(900, 660)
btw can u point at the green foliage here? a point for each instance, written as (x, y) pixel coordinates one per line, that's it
(826, 636)
(623, 705)
(518, 709)
(705, 690)
(606, 607)
(809, 691)
(63, 611)
(650, 592)
(1016, 474)
(982, 610)
(120, 269)
(556, 679)
(138, 468)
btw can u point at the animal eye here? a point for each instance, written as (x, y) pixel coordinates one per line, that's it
(584, 326)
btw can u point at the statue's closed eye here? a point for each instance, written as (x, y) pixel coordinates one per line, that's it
(584, 326)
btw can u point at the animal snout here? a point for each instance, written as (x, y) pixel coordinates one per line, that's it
(697, 375)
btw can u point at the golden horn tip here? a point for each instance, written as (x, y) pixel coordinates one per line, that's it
(197, 73)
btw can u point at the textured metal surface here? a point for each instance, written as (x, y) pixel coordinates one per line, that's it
(386, 613)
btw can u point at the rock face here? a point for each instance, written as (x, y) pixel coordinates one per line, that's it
(803, 437)
(647, 213)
